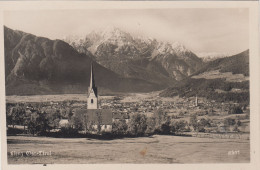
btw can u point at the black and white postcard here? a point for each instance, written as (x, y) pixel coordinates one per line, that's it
(111, 84)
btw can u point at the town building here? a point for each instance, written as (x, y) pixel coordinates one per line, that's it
(96, 119)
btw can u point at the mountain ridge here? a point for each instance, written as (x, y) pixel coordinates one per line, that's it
(123, 48)
(38, 65)
(224, 79)
(53, 66)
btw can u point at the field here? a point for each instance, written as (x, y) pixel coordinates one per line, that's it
(132, 97)
(46, 98)
(226, 75)
(155, 149)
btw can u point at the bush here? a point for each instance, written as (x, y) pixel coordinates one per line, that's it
(235, 129)
(239, 123)
(201, 129)
(205, 122)
(68, 131)
(199, 125)
(235, 110)
(229, 122)
(226, 87)
(180, 126)
(166, 128)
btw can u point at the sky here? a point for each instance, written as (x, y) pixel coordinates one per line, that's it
(204, 30)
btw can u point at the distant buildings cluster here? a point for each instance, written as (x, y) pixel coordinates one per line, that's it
(109, 110)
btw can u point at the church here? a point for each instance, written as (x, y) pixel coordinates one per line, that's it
(97, 119)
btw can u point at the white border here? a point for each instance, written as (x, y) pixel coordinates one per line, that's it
(254, 76)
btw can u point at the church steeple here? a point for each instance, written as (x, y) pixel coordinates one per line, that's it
(92, 80)
(92, 91)
(92, 86)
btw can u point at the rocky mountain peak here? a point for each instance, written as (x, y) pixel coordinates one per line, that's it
(164, 47)
(116, 49)
(115, 36)
(179, 47)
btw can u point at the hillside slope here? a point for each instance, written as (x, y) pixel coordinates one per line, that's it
(37, 65)
(230, 81)
(237, 64)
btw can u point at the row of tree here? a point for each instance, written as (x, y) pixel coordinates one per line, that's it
(34, 120)
(41, 122)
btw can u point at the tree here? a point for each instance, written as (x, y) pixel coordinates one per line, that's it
(39, 123)
(165, 125)
(150, 125)
(90, 126)
(180, 125)
(137, 124)
(119, 127)
(23, 118)
(42, 123)
(194, 122)
(235, 110)
(32, 124)
(99, 121)
(54, 118)
(70, 114)
(14, 116)
(78, 121)
(161, 118)
(9, 116)
(32, 127)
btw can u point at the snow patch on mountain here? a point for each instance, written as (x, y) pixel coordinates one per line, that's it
(115, 36)
(210, 56)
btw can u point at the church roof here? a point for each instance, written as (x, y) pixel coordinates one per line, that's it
(95, 115)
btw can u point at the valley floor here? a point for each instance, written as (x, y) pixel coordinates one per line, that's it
(155, 149)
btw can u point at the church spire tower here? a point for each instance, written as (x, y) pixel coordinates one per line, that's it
(92, 91)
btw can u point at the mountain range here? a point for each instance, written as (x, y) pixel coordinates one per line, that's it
(138, 57)
(122, 62)
(38, 65)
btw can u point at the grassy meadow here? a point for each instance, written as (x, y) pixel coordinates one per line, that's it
(155, 149)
